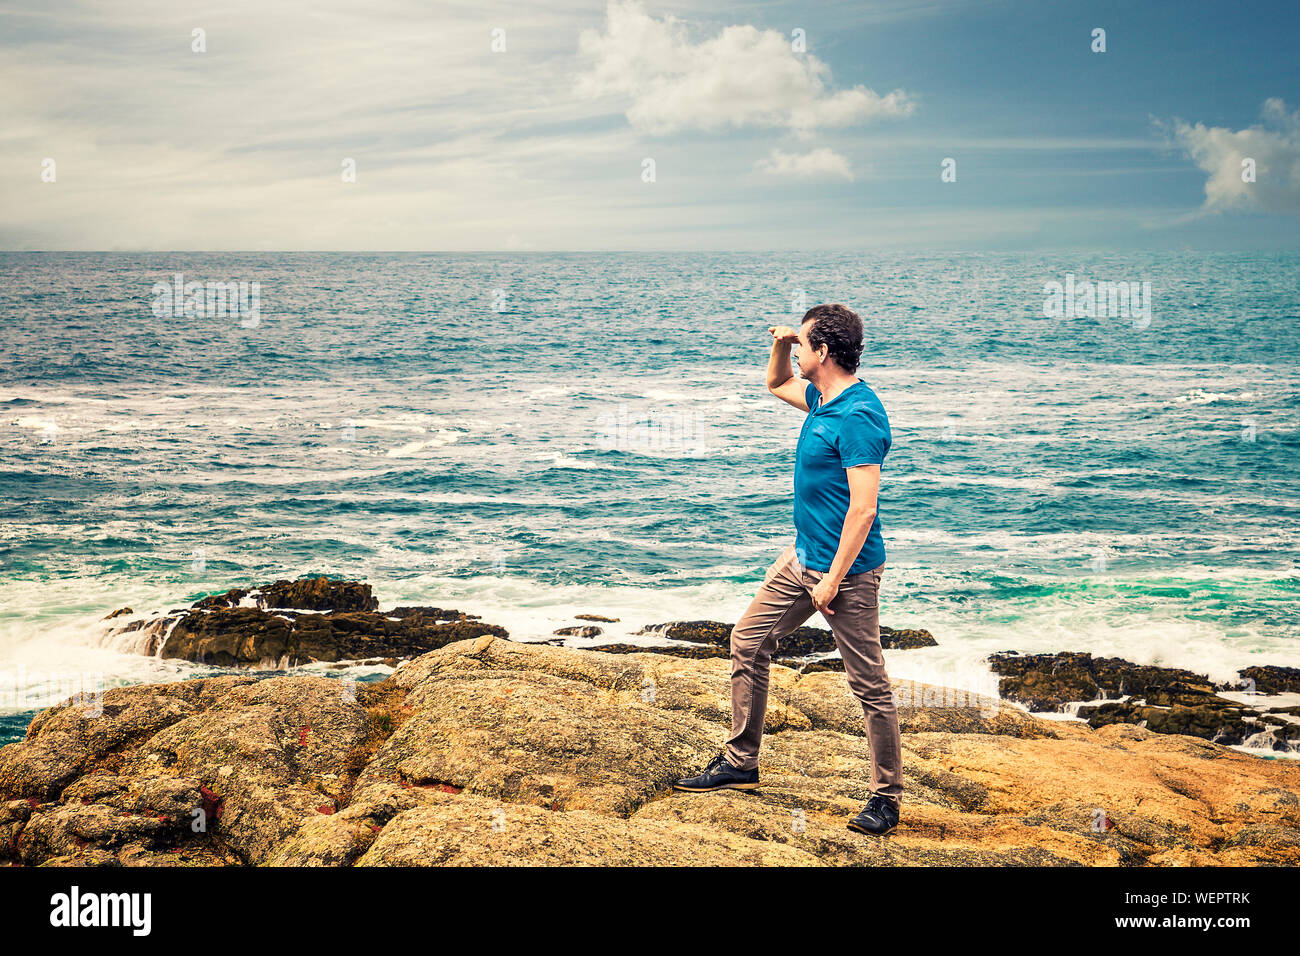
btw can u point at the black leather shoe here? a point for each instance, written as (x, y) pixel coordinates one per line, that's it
(719, 775)
(878, 817)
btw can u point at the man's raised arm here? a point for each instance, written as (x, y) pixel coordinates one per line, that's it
(782, 382)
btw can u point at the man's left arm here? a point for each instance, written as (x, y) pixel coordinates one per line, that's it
(864, 486)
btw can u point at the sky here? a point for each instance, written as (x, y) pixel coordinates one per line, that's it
(172, 125)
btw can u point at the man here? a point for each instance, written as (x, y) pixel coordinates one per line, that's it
(834, 565)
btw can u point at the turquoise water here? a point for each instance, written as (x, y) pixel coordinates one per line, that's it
(13, 726)
(596, 436)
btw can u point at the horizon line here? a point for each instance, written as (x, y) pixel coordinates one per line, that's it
(666, 251)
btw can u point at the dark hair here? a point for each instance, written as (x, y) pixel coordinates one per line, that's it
(839, 328)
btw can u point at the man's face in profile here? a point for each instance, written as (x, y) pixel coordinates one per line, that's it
(804, 353)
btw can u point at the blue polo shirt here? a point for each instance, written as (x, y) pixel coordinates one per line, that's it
(852, 429)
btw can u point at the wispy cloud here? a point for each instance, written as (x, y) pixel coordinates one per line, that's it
(822, 163)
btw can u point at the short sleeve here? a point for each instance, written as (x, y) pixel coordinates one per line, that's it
(810, 396)
(862, 440)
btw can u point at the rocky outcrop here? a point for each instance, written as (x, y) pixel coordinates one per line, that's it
(488, 751)
(1110, 690)
(246, 636)
(690, 651)
(905, 638)
(1271, 679)
(586, 631)
(1050, 681)
(801, 642)
(290, 623)
(305, 594)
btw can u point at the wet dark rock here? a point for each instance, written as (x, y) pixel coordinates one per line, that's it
(692, 651)
(705, 651)
(1165, 700)
(1270, 679)
(305, 594)
(299, 622)
(1224, 723)
(905, 639)
(1050, 681)
(817, 665)
(599, 618)
(580, 631)
(430, 614)
(801, 642)
(248, 636)
(701, 632)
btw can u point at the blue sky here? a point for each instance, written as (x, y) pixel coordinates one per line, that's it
(757, 143)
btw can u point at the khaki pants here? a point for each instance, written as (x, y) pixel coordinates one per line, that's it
(783, 603)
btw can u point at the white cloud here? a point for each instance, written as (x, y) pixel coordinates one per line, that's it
(741, 77)
(1274, 145)
(821, 163)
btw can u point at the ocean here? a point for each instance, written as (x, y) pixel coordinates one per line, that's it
(529, 436)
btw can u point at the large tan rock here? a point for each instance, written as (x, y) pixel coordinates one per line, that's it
(471, 831)
(490, 752)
